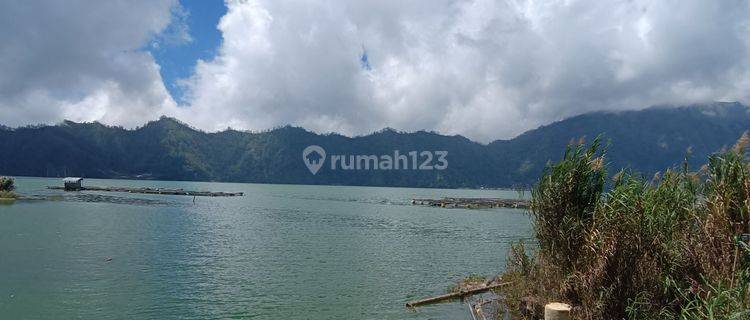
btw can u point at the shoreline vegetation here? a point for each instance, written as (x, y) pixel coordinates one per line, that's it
(674, 246)
(7, 187)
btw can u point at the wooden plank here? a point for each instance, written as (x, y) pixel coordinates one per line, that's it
(455, 295)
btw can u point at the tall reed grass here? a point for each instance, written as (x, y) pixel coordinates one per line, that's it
(674, 246)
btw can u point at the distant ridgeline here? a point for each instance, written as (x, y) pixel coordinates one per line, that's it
(647, 141)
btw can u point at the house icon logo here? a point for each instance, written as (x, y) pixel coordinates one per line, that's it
(314, 157)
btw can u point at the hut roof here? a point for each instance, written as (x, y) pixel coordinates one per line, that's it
(72, 179)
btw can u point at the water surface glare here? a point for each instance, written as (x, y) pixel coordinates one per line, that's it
(279, 252)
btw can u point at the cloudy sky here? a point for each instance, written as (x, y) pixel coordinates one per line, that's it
(486, 69)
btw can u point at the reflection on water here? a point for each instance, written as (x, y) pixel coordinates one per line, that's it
(91, 197)
(344, 199)
(295, 252)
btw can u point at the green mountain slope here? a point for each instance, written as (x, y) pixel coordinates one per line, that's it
(648, 141)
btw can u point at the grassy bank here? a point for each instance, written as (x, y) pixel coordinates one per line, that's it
(624, 246)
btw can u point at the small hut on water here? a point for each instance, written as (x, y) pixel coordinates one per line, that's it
(73, 183)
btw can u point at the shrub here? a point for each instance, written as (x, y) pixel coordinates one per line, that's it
(7, 184)
(663, 248)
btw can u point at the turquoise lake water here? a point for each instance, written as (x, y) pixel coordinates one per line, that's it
(279, 252)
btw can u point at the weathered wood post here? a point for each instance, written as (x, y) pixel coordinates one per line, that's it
(557, 311)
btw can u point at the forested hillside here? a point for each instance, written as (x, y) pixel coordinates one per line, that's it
(646, 140)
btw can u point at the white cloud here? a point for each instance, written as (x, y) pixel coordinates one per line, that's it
(81, 60)
(483, 68)
(486, 69)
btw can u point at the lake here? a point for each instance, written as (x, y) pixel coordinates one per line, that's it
(279, 252)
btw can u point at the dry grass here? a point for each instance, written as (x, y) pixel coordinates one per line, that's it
(472, 281)
(663, 248)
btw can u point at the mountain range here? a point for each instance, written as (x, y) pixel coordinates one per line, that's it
(647, 141)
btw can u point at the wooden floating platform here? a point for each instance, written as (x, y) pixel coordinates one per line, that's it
(454, 295)
(473, 203)
(176, 192)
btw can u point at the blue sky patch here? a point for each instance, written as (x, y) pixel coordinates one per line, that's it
(365, 60)
(177, 57)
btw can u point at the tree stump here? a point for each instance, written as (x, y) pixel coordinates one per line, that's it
(557, 311)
